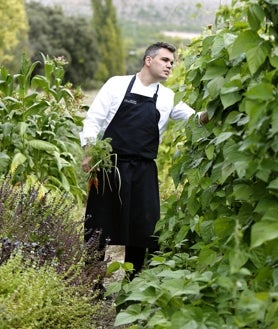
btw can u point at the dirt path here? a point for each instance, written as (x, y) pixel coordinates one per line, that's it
(106, 316)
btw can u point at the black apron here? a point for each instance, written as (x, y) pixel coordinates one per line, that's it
(126, 207)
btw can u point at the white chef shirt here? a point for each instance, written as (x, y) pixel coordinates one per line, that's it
(109, 99)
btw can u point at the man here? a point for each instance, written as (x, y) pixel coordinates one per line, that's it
(133, 111)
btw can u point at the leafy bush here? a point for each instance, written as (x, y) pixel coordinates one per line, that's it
(39, 123)
(220, 235)
(37, 297)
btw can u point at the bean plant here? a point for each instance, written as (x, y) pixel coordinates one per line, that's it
(218, 262)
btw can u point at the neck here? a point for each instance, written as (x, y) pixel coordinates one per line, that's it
(145, 78)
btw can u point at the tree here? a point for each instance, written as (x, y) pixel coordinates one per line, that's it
(110, 42)
(54, 34)
(13, 32)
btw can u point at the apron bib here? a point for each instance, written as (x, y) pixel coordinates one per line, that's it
(134, 128)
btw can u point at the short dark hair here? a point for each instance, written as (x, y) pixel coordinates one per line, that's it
(154, 48)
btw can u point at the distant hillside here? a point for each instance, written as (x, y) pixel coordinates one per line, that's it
(173, 14)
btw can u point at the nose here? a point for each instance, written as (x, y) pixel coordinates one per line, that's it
(169, 65)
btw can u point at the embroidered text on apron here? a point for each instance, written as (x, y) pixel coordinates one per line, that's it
(130, 219)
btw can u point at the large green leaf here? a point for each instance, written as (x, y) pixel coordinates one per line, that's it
(256, 57)
(264, 231)
(36, 108)
(214, 86)
(215, 69)
(255, 16)
(222, 137)
(230, 99)
(17, 160)
(4, 161)
(273, 184)
(131, 314)
(245, 41)
(243, 192)
(261, 91)
(42, 145)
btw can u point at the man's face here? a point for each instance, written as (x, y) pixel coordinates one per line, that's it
(160, 66)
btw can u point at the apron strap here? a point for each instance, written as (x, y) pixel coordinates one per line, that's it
(131, 84)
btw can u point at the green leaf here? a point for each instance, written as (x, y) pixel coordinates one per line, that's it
(261, 91)
(215, 69)
(243, 192)
(256, 111)
(4, 161)
(271, 213)
(36, 108)
(22, 128)
(245, 41)
(263, 231)
(65, 182)
(113, 288)
(256, 57)
(132, 314)
(41, 145)
(237, 259)
(40, 82)
(17, 160)
(214, 86)
(273, 184)
(209, 151)
(179, 96)
(113, 267)
(218, 45)
(223, 227)
(230, 99)
(222, 137)
(207, 257)
(255, 16)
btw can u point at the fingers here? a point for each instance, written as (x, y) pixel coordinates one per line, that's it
(86, 164)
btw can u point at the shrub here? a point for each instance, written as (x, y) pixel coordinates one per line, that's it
(39, 124)
(34, 296)
(46, 230)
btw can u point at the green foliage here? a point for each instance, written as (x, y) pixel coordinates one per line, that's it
(53, 33)
(101, 158)
(39, 127)
(110, 42)
(46, 269)
(13, 32)
(100, 153)
(219, 236)
(38, 297)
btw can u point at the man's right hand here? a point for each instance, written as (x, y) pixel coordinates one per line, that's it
(85, 164)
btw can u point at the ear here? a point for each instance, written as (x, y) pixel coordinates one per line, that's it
(148, 60)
